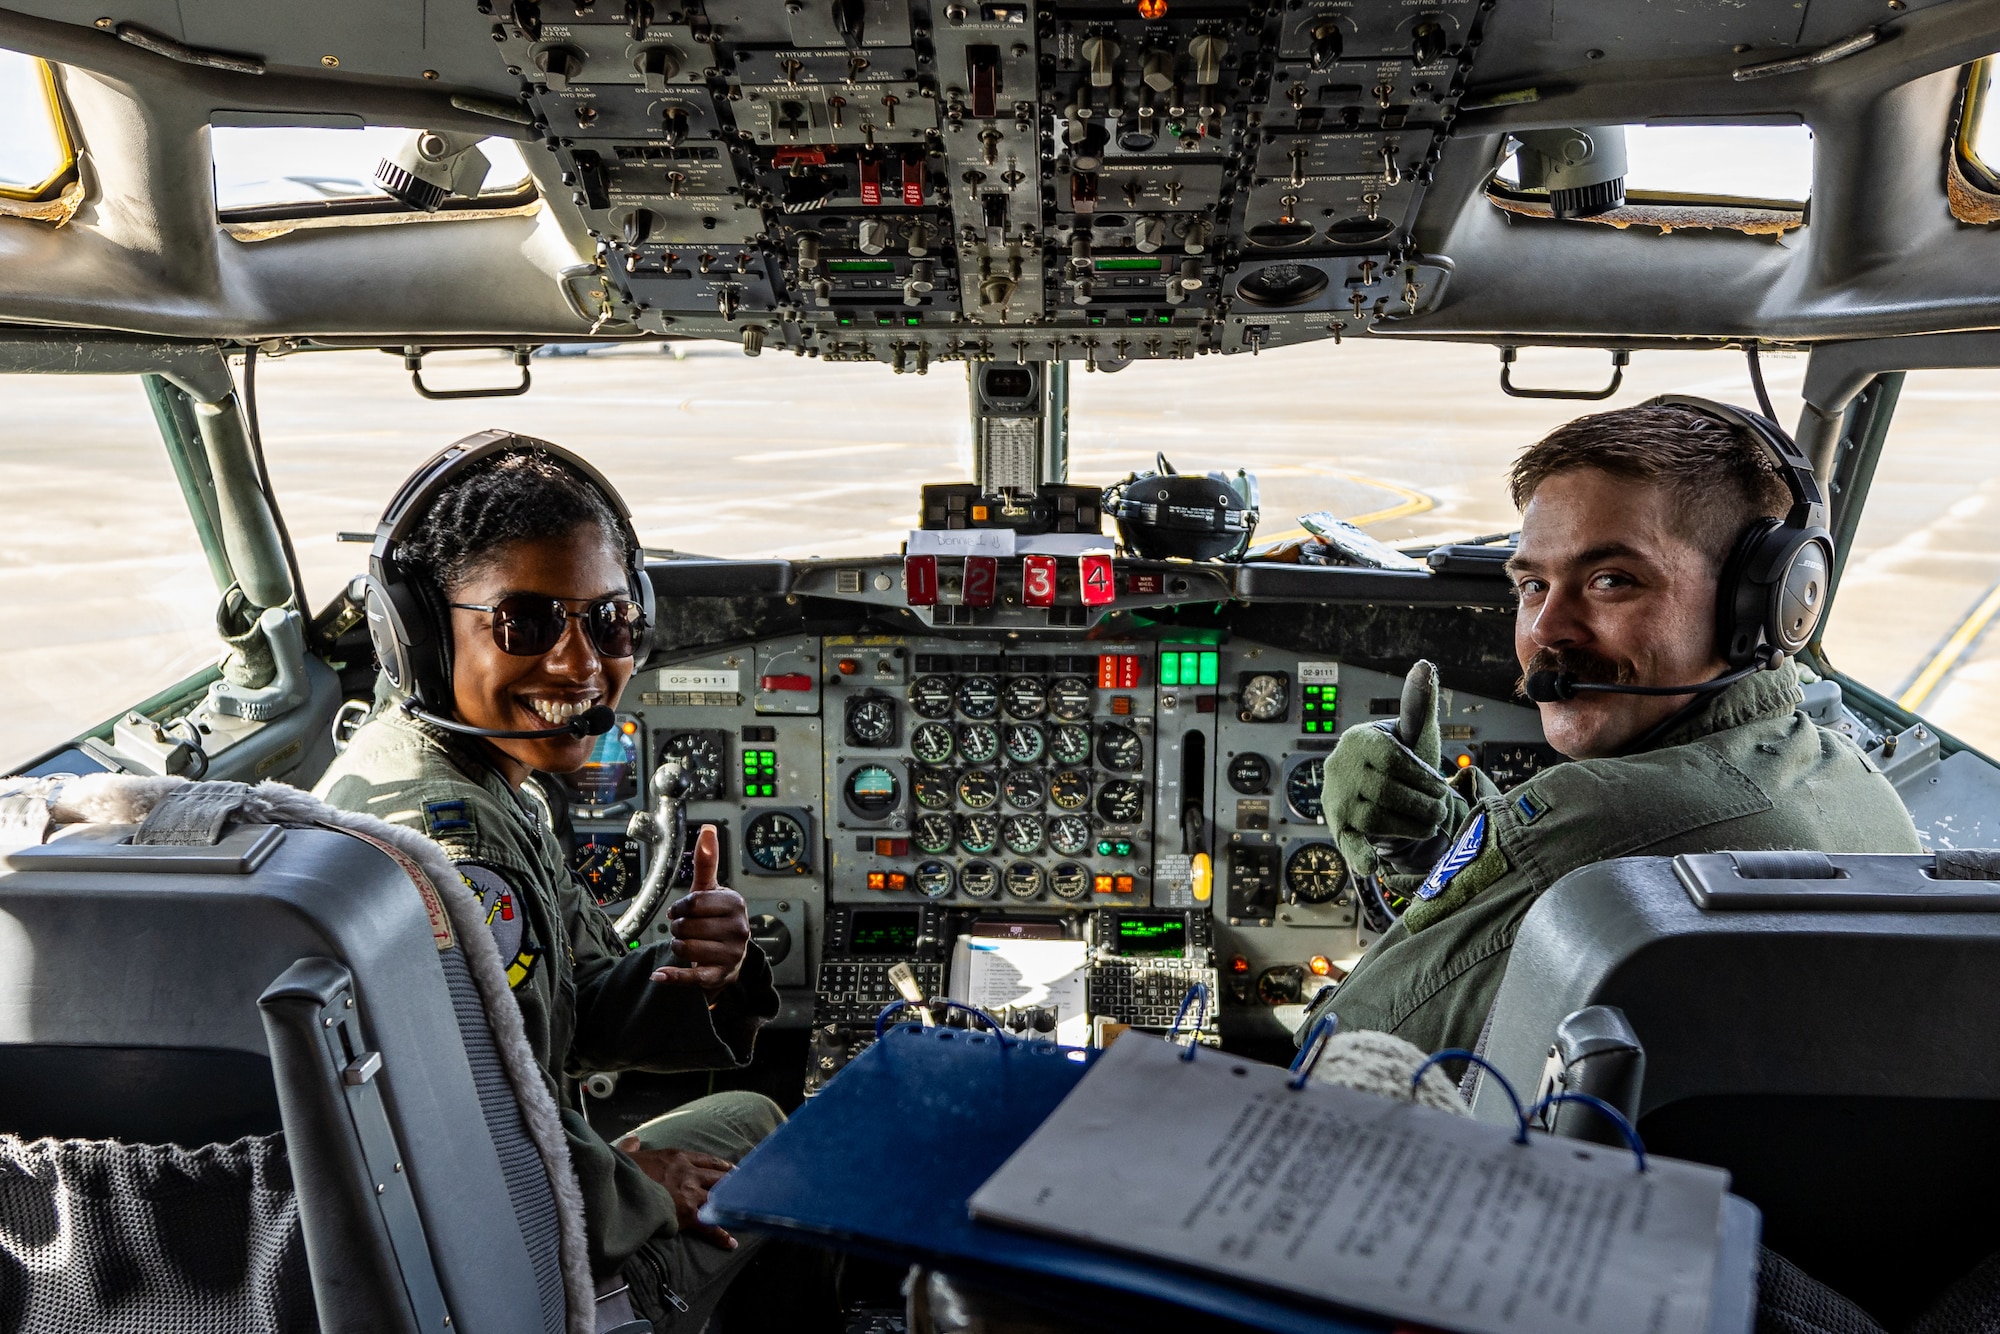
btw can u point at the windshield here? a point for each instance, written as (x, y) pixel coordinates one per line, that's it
(109, 597)
(724, 455)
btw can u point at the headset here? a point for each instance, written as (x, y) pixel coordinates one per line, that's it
(1773, 588)
(412, 633)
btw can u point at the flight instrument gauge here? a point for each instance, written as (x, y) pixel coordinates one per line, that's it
(702, 763)
(931, 743)
(978, 833)
(934, 880)
(601, 861)
(1120, 748)
(1249, 773)
(1070, 790)
(1024, 880)
(1022, 833)
(873, 790)
(1315, 873)
(1264, 697)
(978, 742)
(1026, 697)
(1025, 742)
(1302, 790)
(979, 697)
(930, 697)
(871, 722)
(978, 880)
(932, 789)
(1023, 789)
(1069, 834)
(978, 788)
(775, 841)
(1070, 698)
(1070, 745)
(934, 833)
(1070, 881)
(1121, 801)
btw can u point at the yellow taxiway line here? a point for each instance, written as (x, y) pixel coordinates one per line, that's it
(1954, 648)
(1413, 502)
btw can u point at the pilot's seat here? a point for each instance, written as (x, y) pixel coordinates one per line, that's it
(1825, 1027)
(248, 1078)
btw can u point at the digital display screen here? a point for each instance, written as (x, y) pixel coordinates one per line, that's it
(1152, 939)
(860, 266)
(1127, 265)
(883, 931)
(611, 774)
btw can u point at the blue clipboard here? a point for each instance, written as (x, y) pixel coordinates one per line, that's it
(885, 1158)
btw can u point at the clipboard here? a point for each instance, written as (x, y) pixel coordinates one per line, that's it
(884, 1160)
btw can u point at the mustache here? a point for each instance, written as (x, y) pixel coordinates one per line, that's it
(1581, 663)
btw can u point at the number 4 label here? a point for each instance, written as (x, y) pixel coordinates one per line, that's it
(1095, 579)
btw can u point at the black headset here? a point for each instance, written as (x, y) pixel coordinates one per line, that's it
(1773, 588)
(411, 632)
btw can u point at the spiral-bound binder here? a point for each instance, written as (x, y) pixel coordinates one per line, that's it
(886, 1158)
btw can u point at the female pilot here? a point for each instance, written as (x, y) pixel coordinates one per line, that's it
(519, 566)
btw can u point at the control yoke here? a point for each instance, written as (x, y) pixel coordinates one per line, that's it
(663, 830)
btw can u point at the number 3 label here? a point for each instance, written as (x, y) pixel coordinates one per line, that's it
(1038, 581)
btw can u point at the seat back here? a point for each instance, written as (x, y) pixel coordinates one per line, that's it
(1825, 1027)
(285, 979)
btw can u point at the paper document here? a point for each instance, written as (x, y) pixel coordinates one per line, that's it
(993, 973)
(960, 542)
(1364, 1201)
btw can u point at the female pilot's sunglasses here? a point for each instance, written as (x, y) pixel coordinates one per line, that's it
(528, 626)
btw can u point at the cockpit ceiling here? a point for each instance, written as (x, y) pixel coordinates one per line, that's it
(912, 181)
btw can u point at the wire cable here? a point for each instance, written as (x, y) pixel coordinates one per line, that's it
(1757, 380)
(270, 498)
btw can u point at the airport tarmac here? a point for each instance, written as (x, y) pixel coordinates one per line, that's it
(110, 599)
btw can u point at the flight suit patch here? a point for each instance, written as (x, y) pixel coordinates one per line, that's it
(1472, 863)
(1530, 808)
(446, 817)
(505, 917)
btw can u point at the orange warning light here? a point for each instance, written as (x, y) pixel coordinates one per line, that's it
(628, 727)
(1239, 964)
(1465, 761)
(1320, 965)
(1152, 9)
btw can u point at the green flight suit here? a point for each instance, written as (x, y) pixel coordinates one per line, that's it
(587, 1002)
(1742, 770)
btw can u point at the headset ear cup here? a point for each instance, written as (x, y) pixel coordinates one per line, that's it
(1797, 596)
(1742, 605)
(407, 643)
(388, 632)
(642, 593)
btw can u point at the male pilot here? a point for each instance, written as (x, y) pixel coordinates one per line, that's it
(1627, 519)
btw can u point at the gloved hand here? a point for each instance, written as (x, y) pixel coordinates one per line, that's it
(1385, 788)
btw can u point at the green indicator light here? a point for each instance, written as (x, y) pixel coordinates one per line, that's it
(1163, 319)
(1170, 669)
(1097, 319)
(1190, 668)
(1127, 265)
(1208, 669)
(885, 319)
(845, 320)
(1104, 847)
(1123, 847)
(913, 320)
(1136, 319)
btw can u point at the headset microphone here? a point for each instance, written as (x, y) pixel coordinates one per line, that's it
(593, 721)
(1552, 687)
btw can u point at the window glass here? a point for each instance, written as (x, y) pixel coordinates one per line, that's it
(35, 149)
(108, 594)
(1914, 614)
(1762, 162)
(723, 455)
(262, 166)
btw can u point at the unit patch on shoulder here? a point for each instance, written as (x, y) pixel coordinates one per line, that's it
(1473, 862)
(505, 917)
(447, 817)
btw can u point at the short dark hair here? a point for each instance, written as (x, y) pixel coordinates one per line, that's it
(521, 496)
(1722, 480)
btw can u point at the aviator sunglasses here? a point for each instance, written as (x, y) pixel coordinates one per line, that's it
(528, 626)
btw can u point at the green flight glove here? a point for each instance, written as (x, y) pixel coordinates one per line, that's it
(1383, 786)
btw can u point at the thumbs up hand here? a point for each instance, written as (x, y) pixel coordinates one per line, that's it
(710, 927)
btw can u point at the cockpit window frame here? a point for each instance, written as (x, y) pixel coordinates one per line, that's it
(1973, 183)
(66, 138)
(378, 209)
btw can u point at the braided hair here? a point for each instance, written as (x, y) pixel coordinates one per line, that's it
(523, 496)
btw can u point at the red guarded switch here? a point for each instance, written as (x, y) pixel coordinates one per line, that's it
(788, 681)
(920, 580)
(1095, 579)
(1038, 581)
(871, 180)
(982, 578)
